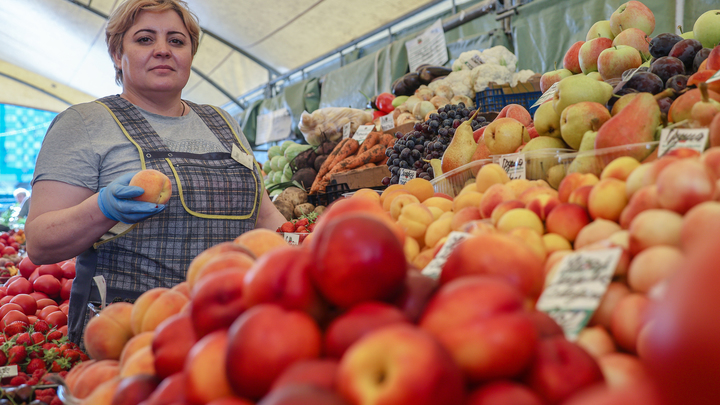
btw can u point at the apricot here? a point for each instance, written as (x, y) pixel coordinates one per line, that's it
(157, 186)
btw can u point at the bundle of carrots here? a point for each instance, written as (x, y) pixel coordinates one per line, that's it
(350, 155)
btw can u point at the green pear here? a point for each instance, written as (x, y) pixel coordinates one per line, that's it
(575, 89)
(585, 163)
(579, 118)
(588, 141)
(555, 175)
(540, 155)
(547, 121)
(544, 142)
(636, 123)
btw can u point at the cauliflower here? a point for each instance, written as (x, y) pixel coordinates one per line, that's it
(487, 73)
(467, 60)
(461, 83)
(521, 77)
(499, 55)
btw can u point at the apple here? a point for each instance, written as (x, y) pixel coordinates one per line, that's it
(635, 38)
(590, 51)
(400, 365)
(632, 14)
(600, 29)
(316, 372)
(570, 60)
(549, 78)
(707, 28)
(156, 185)
(613, 61)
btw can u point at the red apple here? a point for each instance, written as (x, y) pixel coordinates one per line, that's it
(570, 61)
(590, 51)
(264, 341)
(613, 61)
(402, 365)
(217, 301)
(551, 77)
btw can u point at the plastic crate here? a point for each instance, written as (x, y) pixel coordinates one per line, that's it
(495, 99)
(452, 182)
(333, 192)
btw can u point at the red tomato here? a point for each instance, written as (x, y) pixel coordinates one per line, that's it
(35, 274)
(26, 267)
(4, 300)
(68, 269)
(384, 102)
(43, 302)
(9, 307)
(48, 310)
(64, 309)
(13, 316)
(32, 319)
(8, 250)
(3, 291)
(27, 302)
(52, 269)
(65, 287)
(377, 114)
(11, 279)
(56, 318)
(20, 286)
(38, 295)
(47, 284)
(63, 330)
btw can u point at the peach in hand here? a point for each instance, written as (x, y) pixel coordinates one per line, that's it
(157, 186)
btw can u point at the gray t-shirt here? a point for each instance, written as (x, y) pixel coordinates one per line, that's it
(85, 147)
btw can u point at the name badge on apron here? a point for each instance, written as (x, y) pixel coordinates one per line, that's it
(242, 158)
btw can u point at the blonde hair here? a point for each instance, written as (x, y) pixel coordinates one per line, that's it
(123, 17)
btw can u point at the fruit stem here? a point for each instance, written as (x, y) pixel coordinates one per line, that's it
(704, 91)
(595, 124)
(665, 93)
(680, 28)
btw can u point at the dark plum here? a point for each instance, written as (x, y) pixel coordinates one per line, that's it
(630, 72)
(616, 96)
(667, 67)
(677, 83)
(700, 57)
(662, 44)
(686, 50)
(646, 82)
(665, 104)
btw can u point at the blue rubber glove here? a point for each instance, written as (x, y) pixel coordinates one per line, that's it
(116, 201)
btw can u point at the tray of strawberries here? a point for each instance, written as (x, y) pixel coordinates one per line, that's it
(297, 230)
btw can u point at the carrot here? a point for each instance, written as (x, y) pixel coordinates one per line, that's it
(372, 139)
(344, 149)
(373, 155)
(388, 140)
(331, 157)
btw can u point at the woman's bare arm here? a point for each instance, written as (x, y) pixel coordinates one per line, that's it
(64, 221)
(269, 217)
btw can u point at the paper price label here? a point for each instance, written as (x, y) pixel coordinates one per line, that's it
(102, 287)
(549, 93)
(429, 47)
(406, 175)
(434, 268)
(9, 371)
(362, 132)
(292, 238)
(346, 131)
(387, 122)
(514, 167)
(578, 286)
(714, 77)
(671, 139)
(473, 62)
(240, 157)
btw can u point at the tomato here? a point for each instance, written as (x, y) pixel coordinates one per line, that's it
(11, 279)
(26, 267)
(65, 287)
(27, 302)
(68, 269)
(384, 102)
(47, 284)
(13, 316)
(56, 318)
(52, 269)
(377, 114)
(64, 309)
(43, 302)
(32, 319)
(35, 274)
(4, 300)
(38, 295)
(20, 286)
(63, 330)
(8, 250)
(48, 310)
(9, 307)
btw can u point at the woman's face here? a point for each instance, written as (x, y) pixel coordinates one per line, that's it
(157, 54)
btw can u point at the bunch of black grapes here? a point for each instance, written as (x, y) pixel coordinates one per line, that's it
(428, 140)
(674, 60)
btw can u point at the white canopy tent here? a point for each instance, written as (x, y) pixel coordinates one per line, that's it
(53, 52)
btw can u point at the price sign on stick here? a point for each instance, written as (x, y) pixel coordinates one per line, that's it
(429, 47)
(387, 122)
(549, 93)
(676, 138)
(514, 166)
(406, 175)
(714, 77)
(434, 268)
(9, 371)
(362, 132)
(580, 283)
(346, 131)
(292, 238)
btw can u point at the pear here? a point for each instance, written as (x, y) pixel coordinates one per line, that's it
(541, 155)
(585, 163)
(703, 112)
(575, 89)
(588, 141)
(636, 123)
(579, 118)
(462, 146)
(555, 175)
(504, 135)
(547, 121)
(622, 102)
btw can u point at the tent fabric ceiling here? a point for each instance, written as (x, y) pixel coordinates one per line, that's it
(58, 46)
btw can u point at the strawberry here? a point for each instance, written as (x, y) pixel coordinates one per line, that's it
(15, 328)
(72, 355)
(40, 373)
(34, 351)
(41, 326)
(311, 227)
(63, 373)
(24, 339)
(35, 365)
(54, 335)
(32, 381)
(18, 380)
(16, 354)
(3, 358)
(56, 401)
(302, 222)
(3, 339)
(38, 338)
(60, 365)
(287, 227)
(301, 229)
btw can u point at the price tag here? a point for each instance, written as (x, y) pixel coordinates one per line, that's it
(362, 132)
(473, 62)
(434, 268)
(406, 175)
(241, 157)
(514, 166)
(346, 131)
(575, 291)
(273, 126)
(9, 371)
(429, 47)
(102, 287)
(714, 77)
(387, 122)
(671, 139)
(292, 238)
(549, 93)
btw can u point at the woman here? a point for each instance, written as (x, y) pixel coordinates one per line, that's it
(82, 204)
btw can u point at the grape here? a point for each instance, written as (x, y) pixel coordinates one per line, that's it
(419, 148)
(646, 82)
(426, 176)
(435, 155)
(481, 119)
(394, 180)
(434, 124)
(700, 57)
(667, 67)
(447, 123)
(389, 152)
(396, 162)
(460, 105)
(415, 154)
(434, 116)
(418, 164)
(443, 132)
(438, 145)
(420, 139)
(389, 161)
(395, 155)
(385, 181)
(451, 114)
(443, 116)
(451, 131)
(441, 110)
(456, 123)
(662, 44)
(685, 50)
(418, 126)
(405, 153)
(430, 171)
(403, 164)
(394, 170)
(677, 83)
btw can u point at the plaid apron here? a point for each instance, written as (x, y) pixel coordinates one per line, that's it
(214, 200)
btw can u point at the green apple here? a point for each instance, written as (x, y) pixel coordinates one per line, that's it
(707, 29)
(600, 29)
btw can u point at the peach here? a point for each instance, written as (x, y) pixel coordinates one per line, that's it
(438, 229)
(595, 231)
(581, 196)
(503, 392)
(399, 202)
(182, 288)
(209, 253)
(463, 216)
(316, 372)
(620, 168)
(387, 201)
(654, 227)
(534, 192)
(136, 343)
(260, 241)
(230, 260)
(533, 239)
(443, 203)
(414, 219)
(626, 320)
(478, 227)
(393, 187)
(106, 334)
(636, 179)
(573, 181)
(172, 341)
(467, 188)
(154, 306)
(615, 292)
(711, 158)
(607, 199)
(422, 189)
(651, 174)
(567, 220)
(652, 266)
(103, 394)
(94, 375)
(469, 199)
(684, 184)
(423, 258)
(520, 217)
(552, 264)
(156, 184)
(205, 369)
(622, 370)
(140, 362)
(504, 207)
(596, 340)
(645, 198)
(542, 205)
(494, 195)
(700, 220)
(555, 242)
(134, 390)
(436, 212)
(488, 175)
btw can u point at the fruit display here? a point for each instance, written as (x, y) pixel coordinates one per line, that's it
(11, 244)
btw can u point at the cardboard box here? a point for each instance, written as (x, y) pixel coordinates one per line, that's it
(403, 129)
(533, 84)
(364, 178)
